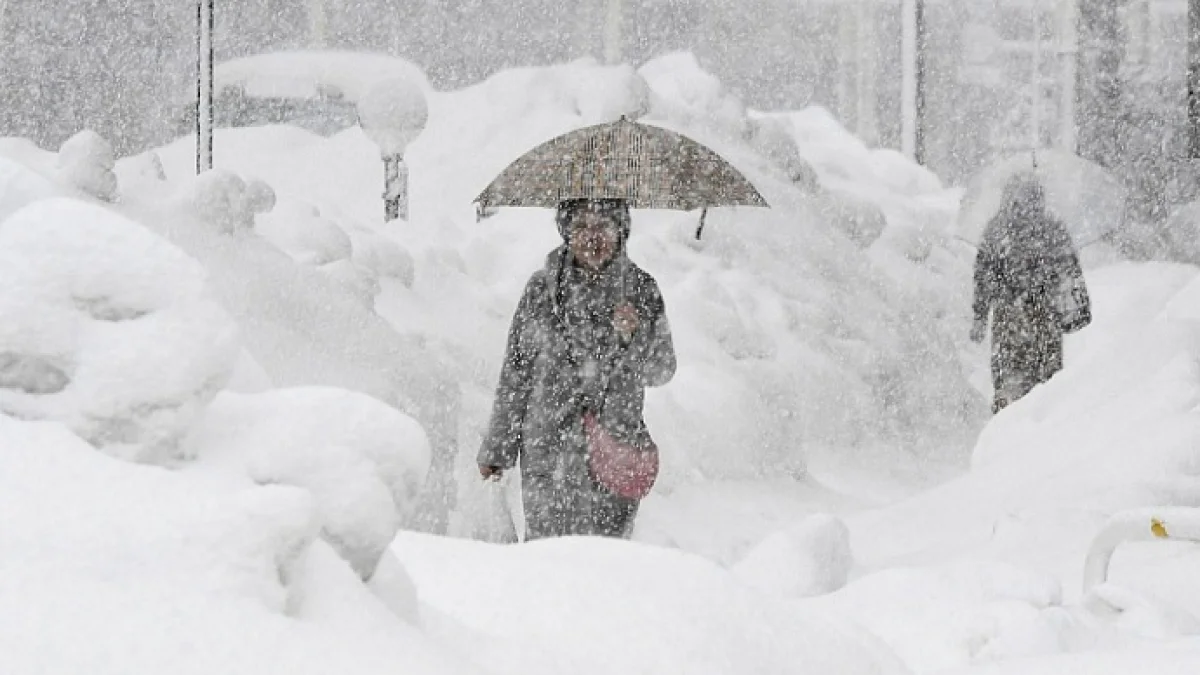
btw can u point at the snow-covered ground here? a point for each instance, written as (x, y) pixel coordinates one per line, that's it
(227, 400)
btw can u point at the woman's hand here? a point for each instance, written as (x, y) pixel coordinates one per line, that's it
(626, 321)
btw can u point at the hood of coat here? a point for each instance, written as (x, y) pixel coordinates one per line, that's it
(618, 209)
(1024, 196)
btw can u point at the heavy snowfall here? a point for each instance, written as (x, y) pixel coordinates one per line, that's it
(240, 409)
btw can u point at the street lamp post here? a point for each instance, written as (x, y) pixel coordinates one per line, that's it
(204, 85)
(912, 83)
(392, 114)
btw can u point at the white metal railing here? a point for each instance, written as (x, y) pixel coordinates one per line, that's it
(1153, 524)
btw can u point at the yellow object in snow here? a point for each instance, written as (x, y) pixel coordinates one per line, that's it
(1159, 528)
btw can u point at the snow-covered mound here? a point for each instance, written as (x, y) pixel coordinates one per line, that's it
(1114, 431)
(812, 558)
(86, 161)
(364, 462)
(602, 606)
(116, 569)
(21, 186)
(97, 314)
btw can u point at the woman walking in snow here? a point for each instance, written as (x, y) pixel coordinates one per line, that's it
(589, 335)
(1028, 277)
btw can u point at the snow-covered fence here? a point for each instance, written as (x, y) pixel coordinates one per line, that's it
(1174, 523)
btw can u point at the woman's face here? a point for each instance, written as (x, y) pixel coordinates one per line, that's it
(594, 239)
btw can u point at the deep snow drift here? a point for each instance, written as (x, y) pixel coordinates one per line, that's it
(300, 382)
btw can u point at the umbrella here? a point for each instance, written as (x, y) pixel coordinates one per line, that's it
(648, 166)
(1088, 199)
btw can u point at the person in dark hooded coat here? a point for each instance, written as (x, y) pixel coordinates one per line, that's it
(590, 334)
(1028, 278)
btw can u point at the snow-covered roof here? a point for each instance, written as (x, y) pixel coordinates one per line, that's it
(306, 73)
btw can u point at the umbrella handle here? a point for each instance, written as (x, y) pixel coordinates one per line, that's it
(700, 228)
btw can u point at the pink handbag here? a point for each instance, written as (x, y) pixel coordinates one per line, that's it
(625, 470)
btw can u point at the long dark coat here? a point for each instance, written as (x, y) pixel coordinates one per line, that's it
(1026, 272)
(564, 356)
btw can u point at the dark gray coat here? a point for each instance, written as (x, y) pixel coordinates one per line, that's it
(1027, 274)
(564, 356)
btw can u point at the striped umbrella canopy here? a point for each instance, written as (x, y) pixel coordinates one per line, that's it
(648, 166)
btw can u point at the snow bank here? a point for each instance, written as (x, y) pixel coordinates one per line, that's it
(946, 616)
(812, 558)
(21, 186)
(1160, 659)
(687, 95)
(1114, 431)
(363, 461)
(116, 569)
(304, 327)
(223, 200)
(108, 329)
(86, 162)
(301, 232)
(600, 606)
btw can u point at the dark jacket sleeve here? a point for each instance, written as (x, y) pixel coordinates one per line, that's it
(652, 352)
(505, 436)
(986, 280)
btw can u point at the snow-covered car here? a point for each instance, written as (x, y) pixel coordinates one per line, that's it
(314, 89)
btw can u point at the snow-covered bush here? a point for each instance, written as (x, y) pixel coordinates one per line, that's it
(86, 162)
(771, 136)
(383, 257)
(945, 616)
(596, 606)
(225, 201)
(301, 232)
(358, 281)
(111, 568)
(141, 172)
(913, 243)
(685, 94)
(861, 221)
(107, 328)
(363, 461)
(613, 92)
(812, 558)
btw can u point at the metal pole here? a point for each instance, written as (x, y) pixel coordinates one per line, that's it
(395, 188)
(204, 86)
(1193, 79)
(912, 85)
